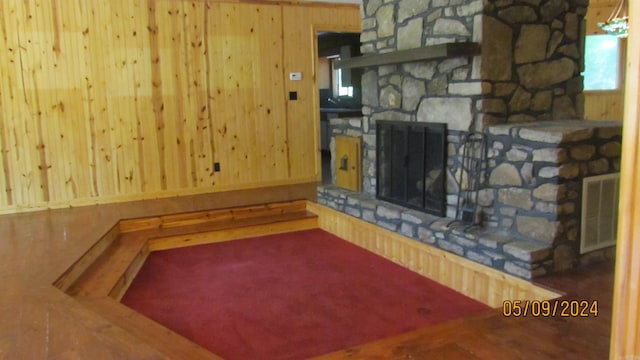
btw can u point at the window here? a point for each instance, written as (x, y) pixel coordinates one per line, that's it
(339, 88)
(601, 62)
(343, 90)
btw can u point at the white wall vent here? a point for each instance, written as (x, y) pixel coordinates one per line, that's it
(599, 212)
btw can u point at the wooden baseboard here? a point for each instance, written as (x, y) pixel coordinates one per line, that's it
(487, 285)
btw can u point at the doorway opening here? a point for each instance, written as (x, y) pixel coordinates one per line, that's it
(339, 91)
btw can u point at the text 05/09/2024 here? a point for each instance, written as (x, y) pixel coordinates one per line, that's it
(550, 308)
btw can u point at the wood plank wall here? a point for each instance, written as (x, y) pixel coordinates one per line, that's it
(604, 105)
(625, 343)
(116, 100)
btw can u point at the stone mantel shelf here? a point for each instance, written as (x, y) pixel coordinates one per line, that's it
(439, 51)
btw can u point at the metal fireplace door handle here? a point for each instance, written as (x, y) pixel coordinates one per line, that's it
(344, 163)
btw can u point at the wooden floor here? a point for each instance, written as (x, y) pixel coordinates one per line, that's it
(493, 336)
(39, 321)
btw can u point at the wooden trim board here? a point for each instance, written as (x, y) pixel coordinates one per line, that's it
(234, 233)
(625, 330)
(439, 51)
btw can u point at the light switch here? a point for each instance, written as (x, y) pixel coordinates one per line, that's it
(295, 76)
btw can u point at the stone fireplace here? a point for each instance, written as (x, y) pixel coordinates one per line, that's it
(523, 91)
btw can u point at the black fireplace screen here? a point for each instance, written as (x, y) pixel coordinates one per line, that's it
(410, 164)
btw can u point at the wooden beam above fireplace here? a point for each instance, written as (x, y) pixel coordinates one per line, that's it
(439, 51)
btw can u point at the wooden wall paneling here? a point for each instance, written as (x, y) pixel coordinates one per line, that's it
(156, 88)
(129, 15)
(248, 102)
(272, 109)
(9, 68)
(121, 100)
(25, 126)
(182, 57)
(77, 125)
(216, 96)
(35, 71)
(140, 64)
(167, 17)
(299, 34)
(114, 86)
(304, 136)
(625, 337)
(225, 97)
(198, 121)
(268, 110)
(247, 77)
(182, 73)
(17, 158)
(98, 91)
(604, 105)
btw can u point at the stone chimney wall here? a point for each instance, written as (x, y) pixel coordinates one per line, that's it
(524, 92)
(529, 69)
(532, 58)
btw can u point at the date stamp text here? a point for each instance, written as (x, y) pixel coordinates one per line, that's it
(550, 308)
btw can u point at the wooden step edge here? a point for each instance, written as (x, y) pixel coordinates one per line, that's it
(107, 272)
(84, 262)
(161, 338)
(223, 225)
(234, 233)
(123, 283)
(155, 222)
(250, 212)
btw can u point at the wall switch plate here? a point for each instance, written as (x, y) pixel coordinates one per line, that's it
(295, 76)
(216, 167)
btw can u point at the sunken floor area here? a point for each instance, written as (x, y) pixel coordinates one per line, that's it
(47, 312)
(288, 296)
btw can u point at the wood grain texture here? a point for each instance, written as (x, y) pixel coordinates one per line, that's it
(482, 283)
(172, 345)
(604, 105)
(625, 342)
(115, 100)
(300, 46)
(234, 230)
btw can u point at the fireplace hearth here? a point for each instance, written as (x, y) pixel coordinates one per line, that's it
(410, 165)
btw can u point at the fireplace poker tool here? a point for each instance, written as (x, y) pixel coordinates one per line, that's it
(474, 158)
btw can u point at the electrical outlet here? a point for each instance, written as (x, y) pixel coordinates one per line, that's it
(216, 167)
(293, 95)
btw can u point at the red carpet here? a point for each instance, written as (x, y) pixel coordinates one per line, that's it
(288, 296)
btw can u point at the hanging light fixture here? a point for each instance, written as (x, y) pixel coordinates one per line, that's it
(618, 22)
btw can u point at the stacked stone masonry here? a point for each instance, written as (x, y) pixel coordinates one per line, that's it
(524, 92)
(529, 69)
(534, 179)
(491, 247)
(530, 202)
